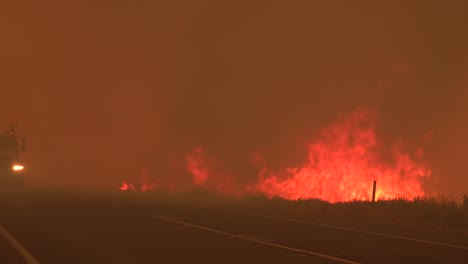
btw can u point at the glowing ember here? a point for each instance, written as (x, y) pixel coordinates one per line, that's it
(342, 165)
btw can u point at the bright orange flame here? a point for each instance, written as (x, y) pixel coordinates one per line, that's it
(206, 173)
(125, 186)
(144, 183)
(196, 165)
(342, 165)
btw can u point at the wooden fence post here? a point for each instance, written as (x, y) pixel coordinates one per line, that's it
(373, 190)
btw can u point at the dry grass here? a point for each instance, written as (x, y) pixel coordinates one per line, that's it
(424, 212)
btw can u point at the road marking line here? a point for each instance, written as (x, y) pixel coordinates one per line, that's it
(256, 240)
(168, 218)
(27, 257)
(340, 228)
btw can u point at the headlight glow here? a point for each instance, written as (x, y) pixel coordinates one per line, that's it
(18, 167)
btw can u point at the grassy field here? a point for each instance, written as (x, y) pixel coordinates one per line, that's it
(423, 214)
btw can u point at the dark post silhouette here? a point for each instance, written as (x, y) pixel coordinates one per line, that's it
(373, 190)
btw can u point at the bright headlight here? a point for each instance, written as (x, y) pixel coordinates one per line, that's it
(18, 167)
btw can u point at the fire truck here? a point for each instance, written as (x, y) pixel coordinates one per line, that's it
(11, 166)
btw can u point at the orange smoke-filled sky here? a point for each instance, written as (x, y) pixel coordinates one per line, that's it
(103, 88)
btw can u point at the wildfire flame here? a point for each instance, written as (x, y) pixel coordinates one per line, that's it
(206, 173)
(341, 165)
(144, 183)
(197, 165)
(125, 186)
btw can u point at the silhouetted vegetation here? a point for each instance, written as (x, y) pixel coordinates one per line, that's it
(425, 212)
(422, 213)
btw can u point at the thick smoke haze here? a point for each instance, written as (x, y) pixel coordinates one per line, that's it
(102, 89)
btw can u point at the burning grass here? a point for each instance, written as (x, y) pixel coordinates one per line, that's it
(333, 184)
(341, 163)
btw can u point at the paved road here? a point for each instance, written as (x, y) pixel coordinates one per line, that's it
(8, 253)
(81, 229)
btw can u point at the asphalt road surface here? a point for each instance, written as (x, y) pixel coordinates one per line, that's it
(85, 229)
